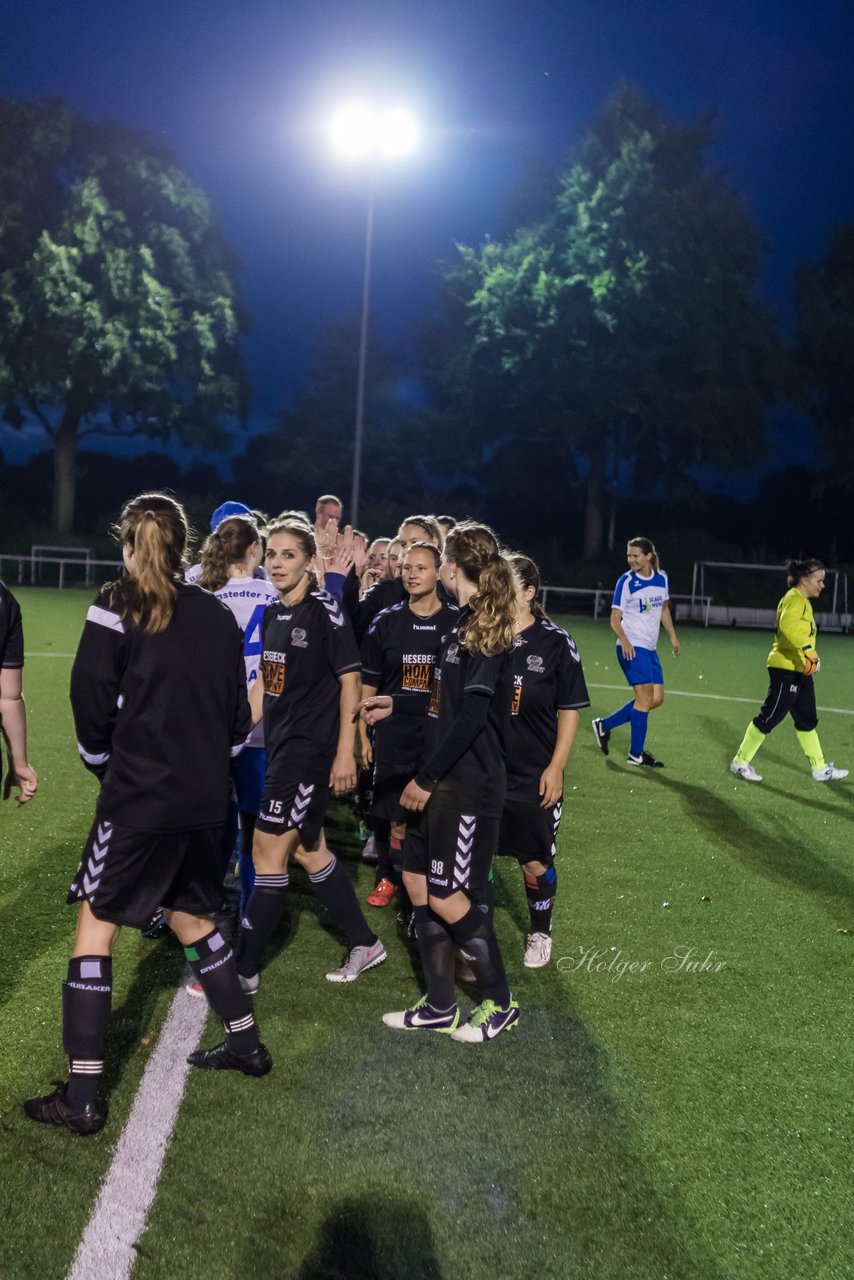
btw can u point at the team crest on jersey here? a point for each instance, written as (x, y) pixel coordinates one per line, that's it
(453, 654)
(535, 663)
(299, 639)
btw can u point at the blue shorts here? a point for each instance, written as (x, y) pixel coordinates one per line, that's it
(247, 771)
(643, 668)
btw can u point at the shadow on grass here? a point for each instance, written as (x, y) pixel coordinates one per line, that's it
(367, 1239)
(35, 918)
(783, 860)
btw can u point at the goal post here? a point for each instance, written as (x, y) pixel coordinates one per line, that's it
(746, 594)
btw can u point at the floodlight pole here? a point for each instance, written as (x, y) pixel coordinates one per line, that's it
(358, 434)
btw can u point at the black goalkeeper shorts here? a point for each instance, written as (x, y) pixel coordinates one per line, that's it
(126, 874)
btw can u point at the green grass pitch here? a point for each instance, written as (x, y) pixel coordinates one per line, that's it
(640, 1124)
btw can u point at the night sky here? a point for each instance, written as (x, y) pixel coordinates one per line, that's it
(241, 93)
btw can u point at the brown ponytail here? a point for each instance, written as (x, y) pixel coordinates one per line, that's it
(227, 545)
(154, 526)
(475, 549)
(647, 546)
(529, 576)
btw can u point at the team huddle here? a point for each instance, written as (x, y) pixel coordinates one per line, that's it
(295, 662)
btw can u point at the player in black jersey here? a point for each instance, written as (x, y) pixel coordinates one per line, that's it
(390, 590)
(398, 656)
(308, 692)
(460, 788)
(548, 692)
(13, 712)
(157, 715)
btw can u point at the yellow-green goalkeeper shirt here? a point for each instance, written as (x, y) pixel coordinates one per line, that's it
(795, 632)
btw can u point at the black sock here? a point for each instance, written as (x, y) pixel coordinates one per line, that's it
(396, 861)
(86, 997)
(264, 910)
(437, 958)
(476, 936)
(212, 961)
(334, 888)
(541, 892)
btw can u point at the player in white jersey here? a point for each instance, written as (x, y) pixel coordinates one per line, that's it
(638, 611)
(229, 560)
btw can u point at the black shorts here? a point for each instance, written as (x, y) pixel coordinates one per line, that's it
(126, 874)
(386, 802)
(789, 693)
(453, 850)
(290, 805)
(529, 832)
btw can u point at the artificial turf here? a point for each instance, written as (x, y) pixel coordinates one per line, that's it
(641, 1123)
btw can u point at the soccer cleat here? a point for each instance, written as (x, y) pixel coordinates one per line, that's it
(250, 983)
(53, 1109)
(487, 1021)
(369, 850)
(645, 759)
(538, 951)
(829, 773)
(423, 1017)
(195, 988)
(157, 926)
(603, 736)
(746, 771)
(221, 1058)
(356, 961)
(382, 894)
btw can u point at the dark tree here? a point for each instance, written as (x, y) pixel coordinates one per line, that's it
(824, 352)
(623, 330)
(118, 306)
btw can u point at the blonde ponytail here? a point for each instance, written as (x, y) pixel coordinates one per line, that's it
(490, 627)
(155, 528)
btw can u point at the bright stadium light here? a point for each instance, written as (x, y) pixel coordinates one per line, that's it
(360, 132)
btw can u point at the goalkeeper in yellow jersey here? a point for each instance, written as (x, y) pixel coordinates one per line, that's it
(792, 663)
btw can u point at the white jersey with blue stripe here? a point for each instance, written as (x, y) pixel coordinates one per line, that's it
(247, 598)
(640, 600)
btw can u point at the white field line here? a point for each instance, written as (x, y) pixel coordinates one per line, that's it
(106, 1251)
(671, 693)
(715, 697)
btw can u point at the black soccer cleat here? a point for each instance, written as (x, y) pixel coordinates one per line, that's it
(603, 736)
(645, 759)
(53, 1109)
(221, 1058)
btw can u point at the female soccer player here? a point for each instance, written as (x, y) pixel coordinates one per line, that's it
(792, 663)
(390, 590)
(548, 692)
(398, 656)
(393, 570)
(158, 692)
(638, 611)
(460, 790)
(13, 711)
(230, 557)
(308, 692)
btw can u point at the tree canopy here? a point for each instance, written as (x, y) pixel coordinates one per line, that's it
(824, 351)
(118, 299)
(622, 331)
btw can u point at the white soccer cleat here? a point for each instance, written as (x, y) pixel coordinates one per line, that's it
(487, 1021)
(538, 951)
(829, 773)
(357, 961)
(422, 1017)
(249, 984)
(746, 771)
